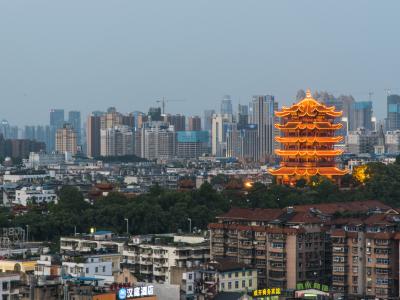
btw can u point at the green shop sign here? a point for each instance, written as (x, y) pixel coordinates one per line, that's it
(312, 285)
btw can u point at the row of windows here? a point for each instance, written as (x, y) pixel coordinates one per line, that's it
(229, 275)
(236, 284)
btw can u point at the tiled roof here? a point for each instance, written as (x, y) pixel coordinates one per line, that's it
(352, 206)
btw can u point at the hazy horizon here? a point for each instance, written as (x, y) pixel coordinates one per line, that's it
(89, 55)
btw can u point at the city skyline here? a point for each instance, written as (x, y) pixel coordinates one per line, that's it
(123, 59)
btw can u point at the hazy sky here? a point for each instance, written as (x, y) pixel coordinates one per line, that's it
(91, 54)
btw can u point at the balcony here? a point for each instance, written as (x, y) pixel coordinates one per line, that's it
(146, 262)
(159, 273)
(246, 246)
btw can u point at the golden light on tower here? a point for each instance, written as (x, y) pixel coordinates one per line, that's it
(307, 141)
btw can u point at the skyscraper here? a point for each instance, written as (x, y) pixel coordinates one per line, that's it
(242, 116)
(362, 114)
(208, 116)
(194, 123)
(57, 118)
(74, 118)
(178, 121)
(158, 141)
(393, 112)
(93, 135)
(117, 141)
(66, 140)
(262, 114)
(220, 126)
(226, 105)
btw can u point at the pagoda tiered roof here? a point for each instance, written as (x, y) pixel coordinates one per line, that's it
(308, 152)
(315, 125)
(299, 171)
(312, 139)
(308, 107)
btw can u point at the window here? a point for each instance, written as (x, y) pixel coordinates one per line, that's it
(5, 285)
(355, 270)
(229, 285)
(126, 279)
(236, 284)
(277, 245)
(250, 282)
(236, 274)
(243, 273)
(230, 275)
(97, 270)
(87, 270)
(249, 273)
(190, 288)
(355, 279)
(190, 276)
(243, 283)
(338, 269)
(382, 281)
(355, 259)
(383, 261)
(222, 286)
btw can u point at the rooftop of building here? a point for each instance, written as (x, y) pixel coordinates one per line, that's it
(371, 211)
(227, 265)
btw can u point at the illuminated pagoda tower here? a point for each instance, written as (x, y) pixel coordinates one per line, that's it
(307, 141)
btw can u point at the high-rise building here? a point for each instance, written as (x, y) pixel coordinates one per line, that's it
(393, 112)
(178, 121)
(262, 114)
(117, 141)
(242, 116)
(158, 141)
(154, 113)
(30, 133)
(361, 141)
(392, 140)
(207, 121)
(362, 114)
(66, 140)
(74, 118)
(194, 123)
(220, 126)
(111, 119)
(57, 118)
(192, 144)
(93, 135)
(226, 105)
(243, 143)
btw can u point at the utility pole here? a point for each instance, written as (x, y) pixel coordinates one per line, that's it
(127, 226)
(190, 224)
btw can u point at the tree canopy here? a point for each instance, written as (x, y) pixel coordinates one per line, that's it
(162, 211)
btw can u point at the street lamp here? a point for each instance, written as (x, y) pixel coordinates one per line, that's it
(190, 224)
(127, 226)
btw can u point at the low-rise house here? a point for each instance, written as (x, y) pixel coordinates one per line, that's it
(34, 195)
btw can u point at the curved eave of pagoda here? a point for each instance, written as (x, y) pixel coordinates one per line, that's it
(308, 112)
(288, 140)
(311, 126)
(293, 171)
(321, 153)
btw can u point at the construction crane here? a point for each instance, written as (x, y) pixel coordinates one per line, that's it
(164, 101)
